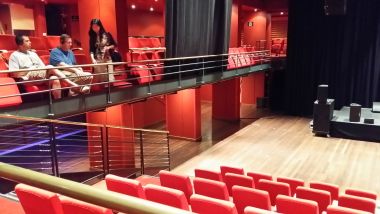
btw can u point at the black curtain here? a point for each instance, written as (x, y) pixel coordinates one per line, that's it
(342, 51)
(197, 27)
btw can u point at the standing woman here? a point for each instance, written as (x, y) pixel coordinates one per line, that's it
(102, 45)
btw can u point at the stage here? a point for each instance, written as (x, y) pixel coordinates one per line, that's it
(341, 127)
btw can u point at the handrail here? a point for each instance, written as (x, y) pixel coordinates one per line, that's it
(100, 197)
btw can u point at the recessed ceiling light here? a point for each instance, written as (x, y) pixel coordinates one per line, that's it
(133, 6)
(151, 9)
(156, 0)
(282, 13)
(255, 9)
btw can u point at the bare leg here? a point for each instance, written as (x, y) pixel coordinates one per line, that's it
(62, 76)
(55, 84)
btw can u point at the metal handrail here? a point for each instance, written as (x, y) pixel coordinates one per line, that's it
(100, 197)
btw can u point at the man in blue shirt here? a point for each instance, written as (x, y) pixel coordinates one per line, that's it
(64, 56)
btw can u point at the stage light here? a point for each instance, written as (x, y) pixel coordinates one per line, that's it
(151, 9)
(282, 13)
(133, 6)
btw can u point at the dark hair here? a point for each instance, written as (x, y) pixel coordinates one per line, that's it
(93, 35)
(20, 39)
(63, 38)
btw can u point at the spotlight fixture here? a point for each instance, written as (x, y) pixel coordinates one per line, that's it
(133, 6)
(151, 9)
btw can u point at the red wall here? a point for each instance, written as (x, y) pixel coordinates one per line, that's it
(145, 23)
(148, 113)
(39, 19)
(206, 92)
(252, 87)
(234, 32)
(259, 29)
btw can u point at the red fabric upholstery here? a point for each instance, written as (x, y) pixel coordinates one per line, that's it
(125, 186)
(70, 205)
(81, 59)
(333, 209)
(322, 197)
(232, 179)
(359, 203)
(156, 42)
(133, 42)
(174, 181)
(244, 197)
(35, 88)
(8, 206)
(142, 73)
(52, 41)
(361, 193)
(45, 59)
(254, 210)
(211, 188)
(38, 201)
(332, 188)
(205, 205)
(257, 176)
(167, 196)
(7, 90)
(7, 42)
(274, 189)
(293, 183)
(38, 43)
(146, 179)
(229, 169)
(208, 174)
(290, 205)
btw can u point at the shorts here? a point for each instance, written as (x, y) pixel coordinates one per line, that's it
(36, 75)
(84, 79)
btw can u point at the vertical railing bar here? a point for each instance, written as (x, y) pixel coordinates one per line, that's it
(141, 153)
(107, 151)
(53, 150)
(109, 83)
(168, 145)
(179, 74)
(102, 145)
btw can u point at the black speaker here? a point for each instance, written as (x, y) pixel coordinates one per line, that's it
(355, 112)
(335, 7)
(322, 115)
(323, 91)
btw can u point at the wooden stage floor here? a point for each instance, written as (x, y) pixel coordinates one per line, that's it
(285, 146)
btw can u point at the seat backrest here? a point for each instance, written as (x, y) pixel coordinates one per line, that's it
(167, 196)
(334, 209)
(361, 193)
(230, 169)
(7, 42)
(70, 205)
(37, 201)
(145, 42)
(244, 197)
(208, 174)
(274, 189)
(52, 41)
(322, 197)
(293, 183)
(359, 203)
(232, 179)
(175, 181)
(45, 59)
(205, 205)
(38, 43)
(254, 210)
(3, 66)
(134, 42)
(125, 186)
(210, 188)
(332, 188)
(287, 204)
(258, 175)
(156, 42)
(10, 90)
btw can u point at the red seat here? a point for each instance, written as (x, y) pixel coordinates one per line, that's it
(125, 186)
(332, 188)
(167, 196)
(37, 201)
(244, 197)
(359, 203)
(133, 42)
(258, 176)
(290, 205)
(333, 209)
(229, 169)
(9, 90)
(70, 205)
(52, 41)
(45, 59)
(274, 189)
(322, 197)
(141, 73)
(175, 181)
(293, 183)
(208, 174)
(82, 59)
(232, 179)
(7, 42)
(38, 43)
(254, 210)
(205, 205)
(361, 193)
(156, 42)
(210, 188)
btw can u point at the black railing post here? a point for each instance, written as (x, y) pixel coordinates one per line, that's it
(179, 74)
(168, 144)
(203, 70)
(53, 150)
(142, 152)
(51, 113)
(109, 83)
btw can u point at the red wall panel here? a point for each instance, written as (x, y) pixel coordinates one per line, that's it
(149, 112)
(259, 29)
(252, 87)
(206, 92)
(145, 23)
(226, 100)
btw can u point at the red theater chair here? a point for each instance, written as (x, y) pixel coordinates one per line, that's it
(244, 197)
(293, 183)
(254, 210)
(232, 179)
(8, 43)
(167, 196)
(70, 205)
(208, 174)
(332, 188)
(211, 188)
(333, 209)
(125, 186)
(322, 197)
(175, 181)
(205, 205)
(8, 87)
(274, 189)
(258, 176)
(361, 193)
(37, 201)
(359, 203)
(52, 42)
(229, 169)
(290, 205)
(39, 45)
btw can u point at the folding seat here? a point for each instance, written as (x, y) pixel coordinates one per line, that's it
(211, 188)
(70, 205)
(293, 183)
(8, 87)
(243, 57)
(208, 174)
(37, 201)
(39, 45)
(290, 205)
(147, 179)
(141, 73)
(145, 42)
(7, 42)
(332, 188)
(156, 42)
(230, 169)
(52, 41)
(258, 176)
(167, 196)
(361, 193)
(125, 186)
(133, 42)
(334, 209)
(82, 59)
(254, 210)
(175, 181)
(45, 59)
(359, 203)
(244, 197)
(205, 205)
(232, 179)
(274, 189)
(322, 197)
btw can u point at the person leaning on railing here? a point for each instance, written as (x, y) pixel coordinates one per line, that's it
(64, 56)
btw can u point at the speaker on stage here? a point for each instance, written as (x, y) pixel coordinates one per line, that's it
(322, 115)
(355, 112)
(322, 94)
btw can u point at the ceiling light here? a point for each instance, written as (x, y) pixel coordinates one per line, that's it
(151, 9)
(255, 9)
(133, 6)
(282, 13)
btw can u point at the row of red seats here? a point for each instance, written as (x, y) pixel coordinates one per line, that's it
(279, 46)
(241, 57)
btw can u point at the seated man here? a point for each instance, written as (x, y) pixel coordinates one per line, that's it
(63, 56)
